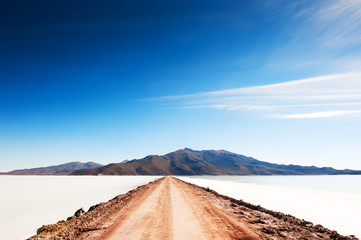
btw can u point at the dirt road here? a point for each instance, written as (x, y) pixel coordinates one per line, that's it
(174, 211)
(169, 208)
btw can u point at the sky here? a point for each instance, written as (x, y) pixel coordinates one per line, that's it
(106, 81)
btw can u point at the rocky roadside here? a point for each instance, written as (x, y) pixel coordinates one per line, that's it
(275, 225)
(98, 217)
(266, 223)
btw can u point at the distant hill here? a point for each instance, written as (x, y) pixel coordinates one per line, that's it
(63, 169)
(208, 162)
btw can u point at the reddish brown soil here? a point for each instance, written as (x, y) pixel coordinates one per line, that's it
(172, 209)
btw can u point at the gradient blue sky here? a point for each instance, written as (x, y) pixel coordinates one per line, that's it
(106, 81)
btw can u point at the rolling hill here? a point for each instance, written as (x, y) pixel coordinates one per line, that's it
(207, 162)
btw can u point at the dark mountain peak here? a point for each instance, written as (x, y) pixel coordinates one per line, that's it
(91, 165)
(201, 152)
(188, 149)
(183, 151)
(90, 162)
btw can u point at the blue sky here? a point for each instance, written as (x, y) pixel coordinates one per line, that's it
(114, 80)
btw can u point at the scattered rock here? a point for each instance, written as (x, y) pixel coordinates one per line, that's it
(79, 212)
(94, 207)
(319, 228)
(268, 231)
(259, 221)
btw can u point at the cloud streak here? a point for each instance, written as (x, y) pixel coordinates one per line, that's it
(339, 23)
(323, 34)
(329, 24)
(318, 97)
(325, 114)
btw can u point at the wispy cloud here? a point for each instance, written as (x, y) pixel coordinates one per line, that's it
(338, 23)
(325, 114)
(323, 34)
(317, 97)
(329, 24)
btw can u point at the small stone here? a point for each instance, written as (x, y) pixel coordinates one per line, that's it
(93, 207)
(79, 212)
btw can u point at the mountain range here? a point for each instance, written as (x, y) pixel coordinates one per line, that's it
(185, 162)
(63, 169)
(208, 162)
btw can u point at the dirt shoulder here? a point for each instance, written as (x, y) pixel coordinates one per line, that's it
(169, 208)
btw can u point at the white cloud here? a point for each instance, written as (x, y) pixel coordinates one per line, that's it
(323, 96)
(326, 114)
